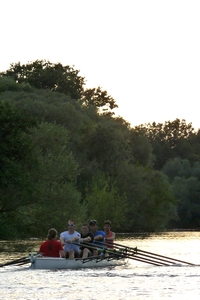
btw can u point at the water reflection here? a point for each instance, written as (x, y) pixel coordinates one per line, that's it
(162, 235)
(135, 281)
(164, 242)
(10, 250)
(16, 245)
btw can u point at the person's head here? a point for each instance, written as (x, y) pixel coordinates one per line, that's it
(52, 233)
(93, 225)
(107, 225)
(84, 229)
(71, 226)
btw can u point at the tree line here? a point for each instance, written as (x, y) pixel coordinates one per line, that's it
(64, 154)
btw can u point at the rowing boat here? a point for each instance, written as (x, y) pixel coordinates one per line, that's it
(52, 263)
(108, 258)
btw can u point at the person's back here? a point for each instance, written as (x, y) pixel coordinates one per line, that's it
(51, 247)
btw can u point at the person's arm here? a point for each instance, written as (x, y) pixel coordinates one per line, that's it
(112, 237)
(61, 251)
(60, 246)
(40, 251)
(100, 236)
(74, 239)
(62, 240)
(86, 239)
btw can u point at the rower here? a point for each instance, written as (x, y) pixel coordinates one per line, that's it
(109, 235)
(99, 235)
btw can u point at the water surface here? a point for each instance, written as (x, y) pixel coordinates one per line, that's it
(137, 280)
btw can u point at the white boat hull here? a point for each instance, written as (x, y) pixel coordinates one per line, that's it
(52, 263)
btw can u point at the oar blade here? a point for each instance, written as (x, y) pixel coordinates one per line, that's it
(173, 260)
(14, 262)
(158, 257)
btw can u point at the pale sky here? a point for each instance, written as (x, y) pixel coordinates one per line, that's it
(145, 53)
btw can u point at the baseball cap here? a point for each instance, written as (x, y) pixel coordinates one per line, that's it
(93, 222)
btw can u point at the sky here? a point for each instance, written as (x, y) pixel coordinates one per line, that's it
(145, 54)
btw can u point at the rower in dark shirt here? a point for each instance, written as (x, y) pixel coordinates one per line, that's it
(86, 237)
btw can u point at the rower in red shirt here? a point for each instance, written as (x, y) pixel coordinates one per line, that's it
(51, 247)
(110, 235)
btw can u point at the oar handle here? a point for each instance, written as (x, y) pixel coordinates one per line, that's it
(90, 245)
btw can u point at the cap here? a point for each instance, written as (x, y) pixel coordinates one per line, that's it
(93, 222)
(107, 222)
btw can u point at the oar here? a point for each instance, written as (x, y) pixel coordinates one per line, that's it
(121, 254)
(26, 261)
(16, 261)
(95, 258)
(164, 260)
(153, 255)
(143, 256)
(89, 245)
(172, 259)
(93, 247)
(118, 256)
(142, 259)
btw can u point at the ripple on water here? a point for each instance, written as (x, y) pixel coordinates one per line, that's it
(136, 281)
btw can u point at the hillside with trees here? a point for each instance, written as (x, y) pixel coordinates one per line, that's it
(64, 154)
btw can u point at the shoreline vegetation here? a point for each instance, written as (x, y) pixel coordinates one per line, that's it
(64, 154)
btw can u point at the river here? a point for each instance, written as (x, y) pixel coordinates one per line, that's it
(137, 280)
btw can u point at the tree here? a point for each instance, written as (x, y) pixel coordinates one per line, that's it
(104, 202)
(16, 147)
(106, 146)
(150, 199)
(187, 191)
(196, 170)
(140, 149)
(166, 139)
(177, 167)
(42, 74)
(59, 199)
(9, 84)
(100, 99)
(18, 163)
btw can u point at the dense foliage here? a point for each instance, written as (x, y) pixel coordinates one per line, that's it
(64, 155)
